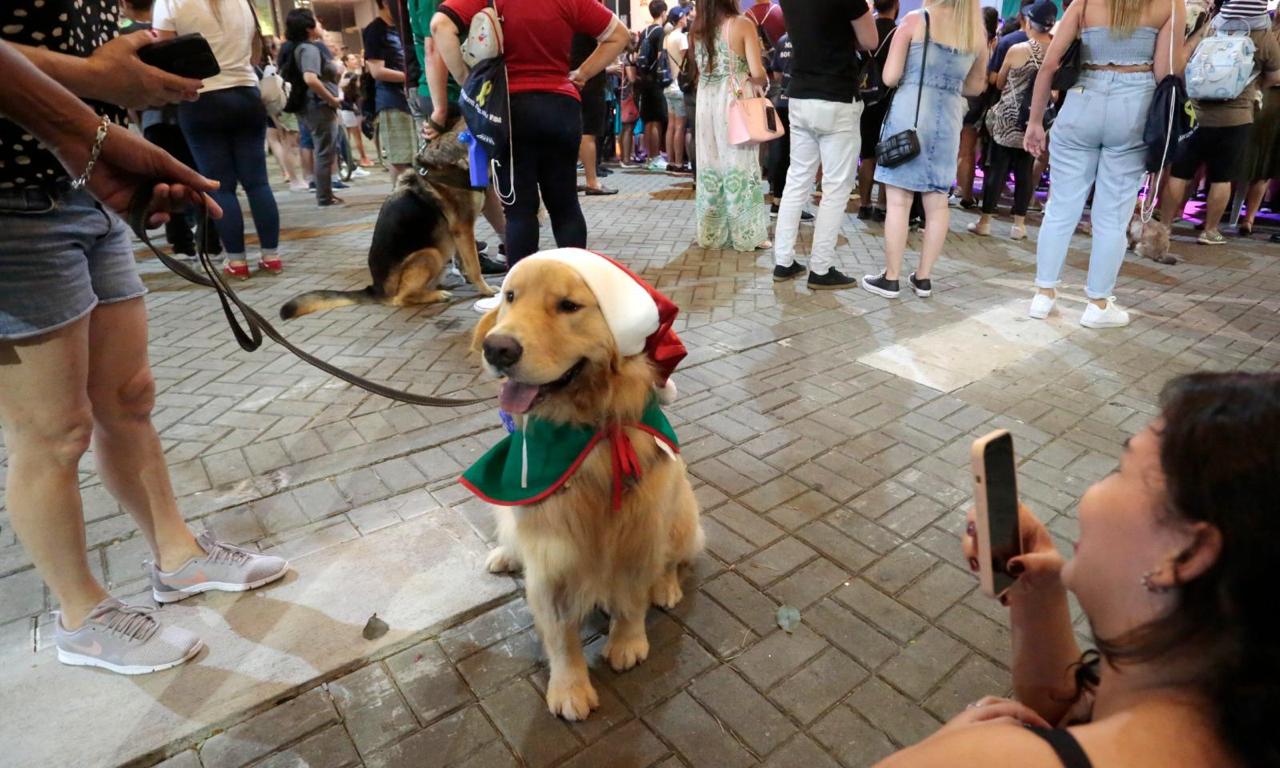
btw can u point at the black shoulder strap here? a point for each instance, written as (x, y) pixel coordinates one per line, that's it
(924, 59)
(1064, 746)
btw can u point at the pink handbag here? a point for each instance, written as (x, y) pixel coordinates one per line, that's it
(752, 119)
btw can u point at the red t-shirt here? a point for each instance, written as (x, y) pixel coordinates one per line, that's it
(537, 37)
(769, 15)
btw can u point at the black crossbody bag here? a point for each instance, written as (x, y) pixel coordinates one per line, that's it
(905, 145)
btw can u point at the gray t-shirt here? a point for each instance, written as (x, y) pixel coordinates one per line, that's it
(316, 58)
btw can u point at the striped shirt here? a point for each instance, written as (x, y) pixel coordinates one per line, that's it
(1244, 9)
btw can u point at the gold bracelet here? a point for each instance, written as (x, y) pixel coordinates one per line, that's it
(98, 140)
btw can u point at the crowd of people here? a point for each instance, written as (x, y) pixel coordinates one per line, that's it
(1171, 563)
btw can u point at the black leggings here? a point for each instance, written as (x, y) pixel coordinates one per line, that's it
(1001, 160)
(546, 130)
(780, 157)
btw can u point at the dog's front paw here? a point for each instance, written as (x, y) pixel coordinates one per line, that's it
(623, 654)
(502, 560)
(484, 289)
(573, 699)
(666, 591)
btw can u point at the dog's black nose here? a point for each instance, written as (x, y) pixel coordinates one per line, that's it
(502, 351)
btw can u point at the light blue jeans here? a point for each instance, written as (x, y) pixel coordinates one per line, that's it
(1096, 141)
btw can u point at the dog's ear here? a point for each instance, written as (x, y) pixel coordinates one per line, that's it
(487, 321)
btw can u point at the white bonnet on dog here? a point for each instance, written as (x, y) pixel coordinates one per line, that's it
(639, 317)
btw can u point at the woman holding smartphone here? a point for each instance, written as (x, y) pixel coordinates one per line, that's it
(1173, 569)
(226, 126)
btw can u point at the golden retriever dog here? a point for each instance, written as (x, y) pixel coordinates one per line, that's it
(550, 342)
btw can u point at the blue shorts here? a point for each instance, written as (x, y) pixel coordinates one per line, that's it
(60, 257)
(305, 141)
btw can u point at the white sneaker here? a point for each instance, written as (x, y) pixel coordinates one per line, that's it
(359, 173)
(1111, 317)
(485, 305)
(1041, 305)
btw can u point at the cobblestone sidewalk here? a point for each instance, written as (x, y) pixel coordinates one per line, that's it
(827, 434)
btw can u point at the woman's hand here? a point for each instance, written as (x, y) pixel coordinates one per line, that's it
(1034, 139)
(993, 709)
(121, 78)
(1037, 567)
(127, 162)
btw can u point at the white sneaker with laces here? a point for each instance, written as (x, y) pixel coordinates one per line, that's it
(1111, 317)
(222, 568)
(1041, 305)
(125, 639)
(487, 304)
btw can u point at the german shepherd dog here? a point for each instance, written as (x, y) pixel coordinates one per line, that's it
(429, 217)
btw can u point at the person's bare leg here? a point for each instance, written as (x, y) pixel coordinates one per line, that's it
(130, 459)
(1219, 199)
(494, 214)
(357, 136)
(45, 415)
(895, 230)
(628, 139)
(937, 220)
(1253, 201)
(653, 140)
(1171, 200)
(276, 143)
(308, 159)
(587, 156)
(676, 143)
(866, 180)
(965, 168)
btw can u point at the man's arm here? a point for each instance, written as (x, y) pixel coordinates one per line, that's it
(437, 81)
(381, 72)
(864, 28)
(114, 74)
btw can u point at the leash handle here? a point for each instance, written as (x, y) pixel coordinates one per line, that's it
(249, 336)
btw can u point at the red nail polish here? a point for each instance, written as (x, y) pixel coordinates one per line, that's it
(971, 529)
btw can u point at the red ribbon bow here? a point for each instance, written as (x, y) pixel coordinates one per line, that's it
(626, 463)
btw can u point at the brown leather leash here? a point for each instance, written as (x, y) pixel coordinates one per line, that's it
(257, 325)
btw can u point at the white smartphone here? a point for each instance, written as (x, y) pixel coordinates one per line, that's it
(995, 494)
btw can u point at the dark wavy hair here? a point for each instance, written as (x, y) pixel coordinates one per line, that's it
(1220, 453)
(298, 25)
(706, 26)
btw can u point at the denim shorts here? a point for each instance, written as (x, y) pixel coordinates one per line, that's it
(61, 255)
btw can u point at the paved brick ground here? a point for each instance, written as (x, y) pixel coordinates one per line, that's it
(826, 484)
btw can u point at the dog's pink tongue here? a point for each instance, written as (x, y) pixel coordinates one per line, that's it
(516, 397)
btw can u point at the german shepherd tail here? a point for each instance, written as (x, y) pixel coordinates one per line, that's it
(315, 301)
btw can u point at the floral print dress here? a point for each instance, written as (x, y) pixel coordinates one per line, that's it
(730, 198)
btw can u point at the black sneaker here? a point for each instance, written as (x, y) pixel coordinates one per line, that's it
(864, 212)
(923, 288)
(833, 280)
(877, 214)
(806, 216)
(481, 246)
(786, 273)
(490, 266)
(773, 211)
(916, 223)
(878, 285)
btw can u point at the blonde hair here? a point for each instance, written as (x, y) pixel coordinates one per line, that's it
(1126, 15)
(966, 31)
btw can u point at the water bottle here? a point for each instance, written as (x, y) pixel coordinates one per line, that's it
(478, 159)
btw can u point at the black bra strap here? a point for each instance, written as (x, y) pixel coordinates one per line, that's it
(1065, 745)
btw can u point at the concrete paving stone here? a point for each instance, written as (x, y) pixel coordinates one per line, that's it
(938, 590)
(373, 516)
(908, 518)
(696, 735)
(320, 500)
(668, 668)
(235, 526)
(751, 606)
(712, 624)
(631, 746)
(428, 681)
(723, 542)
(751, 716)
(486, 629)
(611, 713)
(978, 631)
(399, 475)
(837, 485)
(361, 486)
(817, 687)
(487, 670)
(863, 531)
(809, 583)
(779, 655)
(854, 741)
(880, 609)
(773, 493)
(849, 632)
(441, 745)
(972, 680)
(493, 755)
(900, 568)
(242, 744)
(538, 737)
(279, 513)
(330, 748)
(923, 662)
(747, 524)
(800, 752)
(891, 712)
(801, 510)
(372, 709)
(839, 548)
(187, 759)
(776, 561)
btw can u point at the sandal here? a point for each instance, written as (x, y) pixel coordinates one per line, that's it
(601, 190)
(238, 270)
(274, 266)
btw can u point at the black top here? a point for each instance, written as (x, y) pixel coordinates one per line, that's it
(782, 65)
(382, 43)
(1065, 746)
(884, 26)
(824, 64)
(74, 27)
